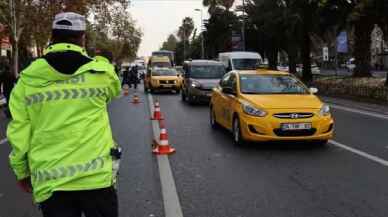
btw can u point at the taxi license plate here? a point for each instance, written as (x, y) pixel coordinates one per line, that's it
(296, 126)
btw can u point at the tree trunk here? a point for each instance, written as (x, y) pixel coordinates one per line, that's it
(306, 59)
(15, 58)
(363, 29)
(306, 46)
(273, 58)
(292, 55)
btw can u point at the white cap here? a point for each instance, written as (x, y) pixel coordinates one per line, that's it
(75, 22)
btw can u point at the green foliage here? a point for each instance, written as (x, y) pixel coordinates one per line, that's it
(170, 44)
(186, 29)
(112, 27)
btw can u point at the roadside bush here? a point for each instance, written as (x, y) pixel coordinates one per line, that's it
(364, 88)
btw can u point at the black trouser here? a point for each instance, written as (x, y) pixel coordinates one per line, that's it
(93, 203)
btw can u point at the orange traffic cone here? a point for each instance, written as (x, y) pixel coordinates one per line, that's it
(126, 90)
(136, 99)
(163, 147)
(157, 113)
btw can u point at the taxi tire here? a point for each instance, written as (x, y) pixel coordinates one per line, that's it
(190, 99)
(322, 143)
(212, 119)
(236, 131)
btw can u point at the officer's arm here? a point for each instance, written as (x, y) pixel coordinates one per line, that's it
(19, 132)
(114, 84)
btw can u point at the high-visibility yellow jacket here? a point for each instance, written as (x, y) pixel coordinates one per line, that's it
(60, 132)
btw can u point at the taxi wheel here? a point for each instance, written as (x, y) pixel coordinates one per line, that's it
(213, 121)
(237, 135)
(183, 95)
(190, 99)
(322, 143)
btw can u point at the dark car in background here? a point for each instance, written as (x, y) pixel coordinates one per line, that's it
(200, 77)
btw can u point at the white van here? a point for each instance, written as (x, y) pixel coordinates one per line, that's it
(240, 60)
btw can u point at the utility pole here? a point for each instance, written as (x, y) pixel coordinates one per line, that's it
(202, 36)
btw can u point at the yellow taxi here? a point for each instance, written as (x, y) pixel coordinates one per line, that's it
(265, 105)
(162, 79)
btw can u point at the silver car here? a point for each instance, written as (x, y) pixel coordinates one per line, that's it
(200, 77)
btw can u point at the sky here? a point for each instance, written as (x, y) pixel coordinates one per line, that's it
(159, 18)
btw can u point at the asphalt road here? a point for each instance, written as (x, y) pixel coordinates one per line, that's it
(216, 179)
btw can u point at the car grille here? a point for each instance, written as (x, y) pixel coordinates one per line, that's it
(293, 115)
(206, 88)
(167, 82)
(294, 133)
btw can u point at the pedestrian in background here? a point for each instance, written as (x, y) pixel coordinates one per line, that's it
(134, 77)
(126, 79)
(3, 71)
(62, 146)
(7, 82)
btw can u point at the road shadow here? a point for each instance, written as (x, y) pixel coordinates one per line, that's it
(279, 146)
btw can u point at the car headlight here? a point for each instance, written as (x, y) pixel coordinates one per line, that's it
(325, 110)
(251, 110)
(195, 84)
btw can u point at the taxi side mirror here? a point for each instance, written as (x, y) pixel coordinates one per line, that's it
(313, 90)
(228, 90)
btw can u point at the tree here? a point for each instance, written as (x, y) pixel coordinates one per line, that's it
(213, 4)
(170, 44)
(34, 17)
(219, 29)
(184, 33)
(290, 25)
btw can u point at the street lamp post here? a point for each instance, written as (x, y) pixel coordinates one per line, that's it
(202, 36)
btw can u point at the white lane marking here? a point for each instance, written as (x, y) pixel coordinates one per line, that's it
(360, 153)
(3, 141)
(358, 111)
(172, 207)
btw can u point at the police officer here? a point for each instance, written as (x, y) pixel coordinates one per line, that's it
(62, 146)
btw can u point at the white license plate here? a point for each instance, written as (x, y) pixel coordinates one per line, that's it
(296, 126)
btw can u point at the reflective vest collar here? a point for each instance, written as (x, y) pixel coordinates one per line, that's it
(62, 47)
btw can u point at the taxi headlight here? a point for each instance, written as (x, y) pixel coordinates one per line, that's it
(325, 110)
(251, 110)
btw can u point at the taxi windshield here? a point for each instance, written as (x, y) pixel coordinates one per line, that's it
(207, 72)
(164, 72)
(245, 64)
(271, 84)
(161, 64)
